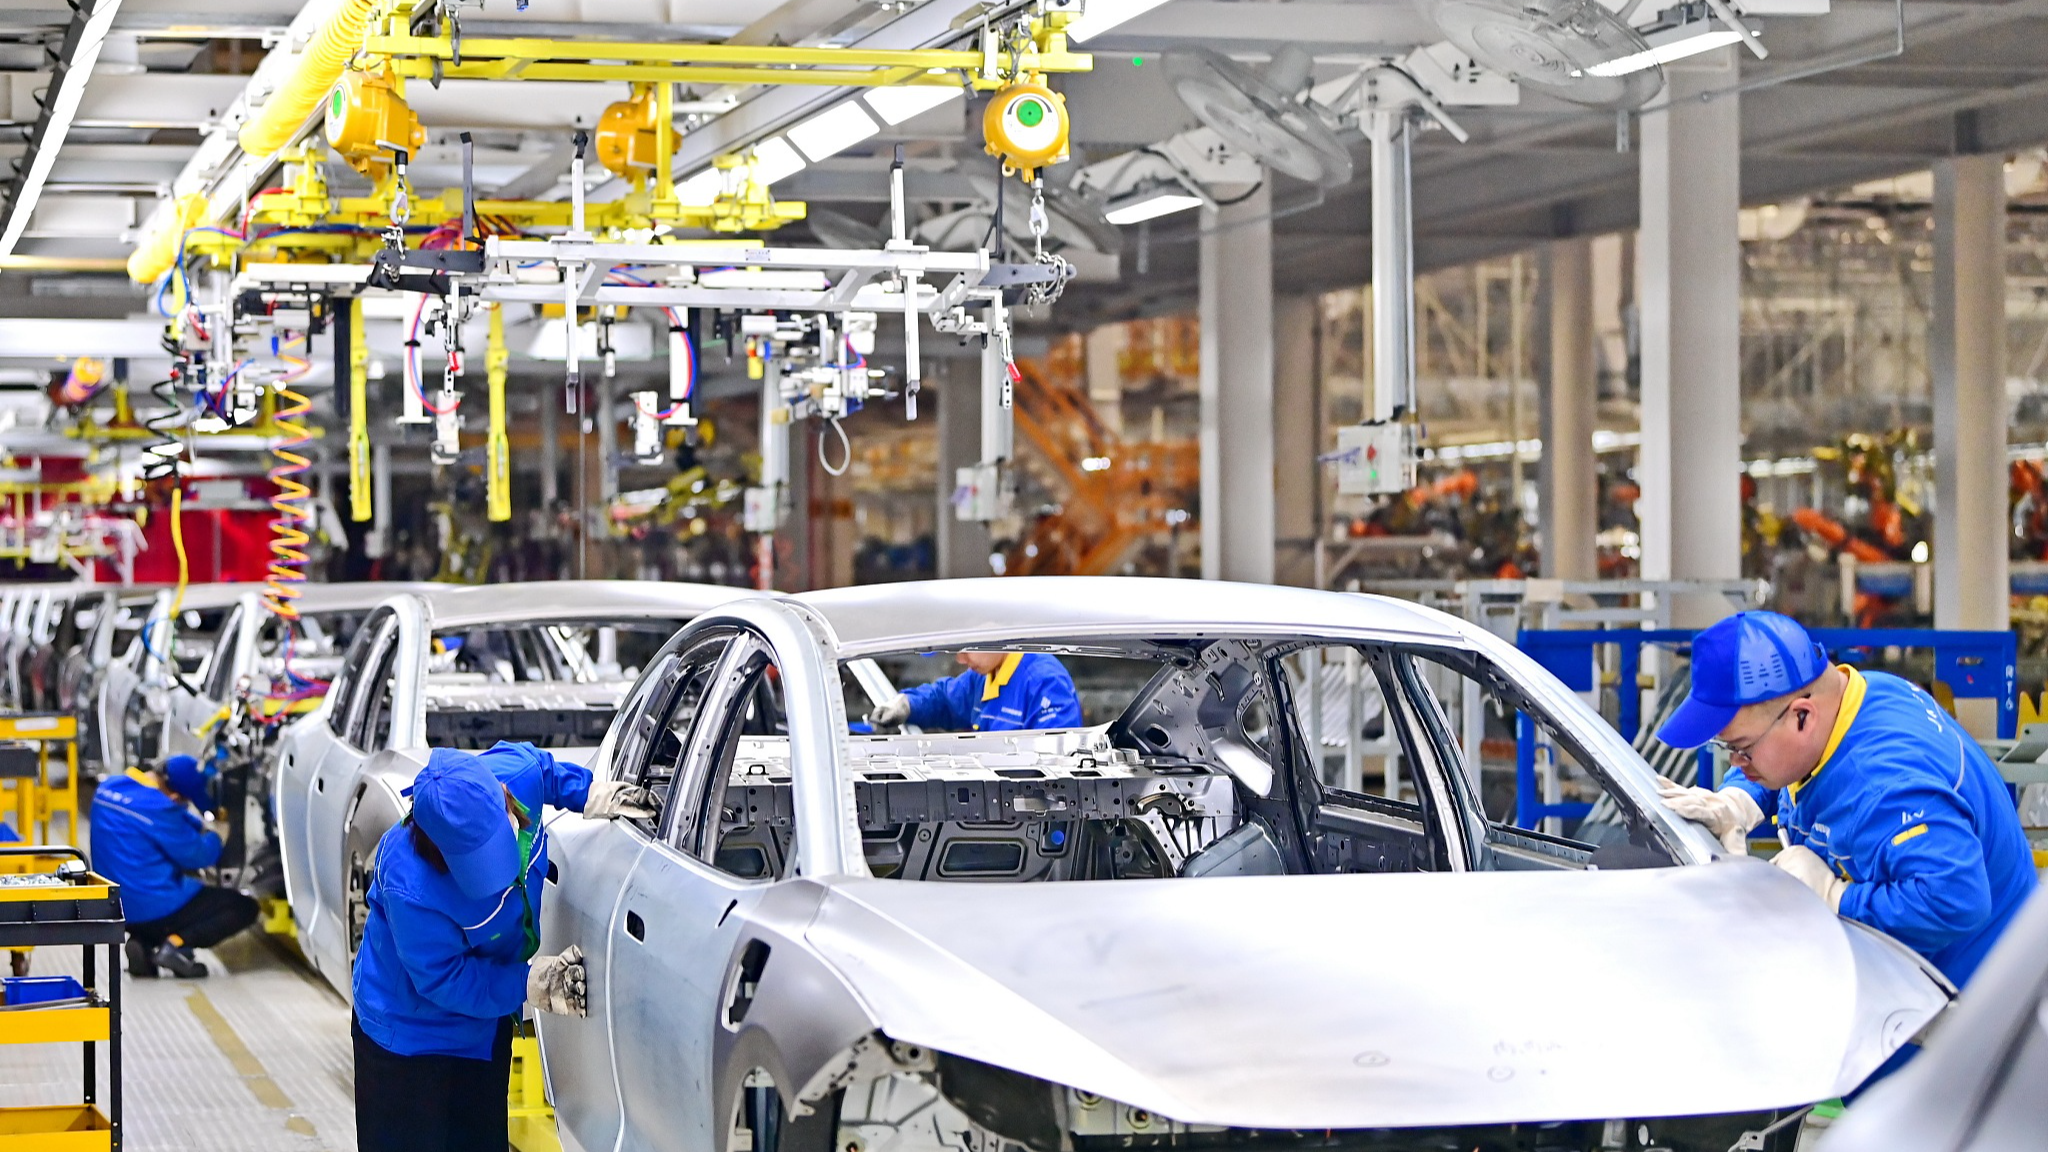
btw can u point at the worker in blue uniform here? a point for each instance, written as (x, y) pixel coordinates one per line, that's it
(999, 692)
(449, 957)
(147, 838)
(1888, 810)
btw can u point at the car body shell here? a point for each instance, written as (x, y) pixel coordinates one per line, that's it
(336, 795)
(1977, 1086)
(1267, 1002)
(236, 656)
(133, 690)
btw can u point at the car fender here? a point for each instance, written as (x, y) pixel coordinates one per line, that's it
(804, 1016)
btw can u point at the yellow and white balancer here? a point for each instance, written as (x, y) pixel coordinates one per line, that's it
(364, 112)
(1026, 124)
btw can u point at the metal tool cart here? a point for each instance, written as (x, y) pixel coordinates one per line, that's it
(68, 905)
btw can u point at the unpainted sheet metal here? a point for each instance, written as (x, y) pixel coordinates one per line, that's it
(1389, 1000)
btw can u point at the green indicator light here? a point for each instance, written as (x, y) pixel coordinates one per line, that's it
(1137, 61)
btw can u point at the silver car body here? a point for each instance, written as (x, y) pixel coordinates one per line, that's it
(19, 616)
(1977, 1087)
(337, 789)
(133, 692)
(918, 1015)
(237, 655)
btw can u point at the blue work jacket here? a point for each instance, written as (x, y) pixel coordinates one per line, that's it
(148, 843)
(1909, 810)
(438, 969)
(1029, 690)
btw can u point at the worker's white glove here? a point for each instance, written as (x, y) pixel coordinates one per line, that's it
(893, 711)
(611, 799)
(1729, 814)
(557, 984)
(1812, 871)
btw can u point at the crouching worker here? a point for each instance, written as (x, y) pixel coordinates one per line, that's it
(448, 957)
(147, 838)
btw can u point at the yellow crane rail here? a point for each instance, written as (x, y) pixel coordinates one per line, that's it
(484, 58)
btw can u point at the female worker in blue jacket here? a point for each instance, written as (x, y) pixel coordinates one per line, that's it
(448, 958)
(147, 838)
(999, 692)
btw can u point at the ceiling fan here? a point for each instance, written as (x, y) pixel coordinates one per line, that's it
(1575, 50)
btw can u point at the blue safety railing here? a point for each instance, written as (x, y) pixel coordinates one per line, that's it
(1974, 665)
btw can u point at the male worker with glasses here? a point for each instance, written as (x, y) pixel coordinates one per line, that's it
(1888, 810)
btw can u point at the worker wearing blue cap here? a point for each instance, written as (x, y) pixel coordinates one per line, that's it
(999, 692)
(147, 838)
(448, 957)
(1886, 807)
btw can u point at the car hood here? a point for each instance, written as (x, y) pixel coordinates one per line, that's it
(1390, 1000)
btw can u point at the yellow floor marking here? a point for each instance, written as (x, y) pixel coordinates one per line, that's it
(244, 1062)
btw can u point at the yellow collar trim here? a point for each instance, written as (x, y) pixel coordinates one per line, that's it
(1852, 703)
(1001, 679)
(141, 777)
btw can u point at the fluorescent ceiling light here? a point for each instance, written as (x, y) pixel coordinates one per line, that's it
(1102, 15)
(895, 105)
(774, 160)
(1665, 53)
(795, 279)
(56, 123)
(1149, 207)
(833, 131)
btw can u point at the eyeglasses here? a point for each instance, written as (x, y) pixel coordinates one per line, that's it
(1743, 753)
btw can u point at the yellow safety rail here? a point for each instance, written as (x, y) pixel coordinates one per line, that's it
(360, 499)
(497, 447)
(35, 800)
(484, 58)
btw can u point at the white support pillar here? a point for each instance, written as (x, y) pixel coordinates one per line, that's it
(1237, 390)
(1966, 354)
(1689, 290)
(1297, 440)
(962, 545)
(1567, 512)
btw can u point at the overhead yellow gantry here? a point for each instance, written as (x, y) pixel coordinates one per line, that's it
(302, 221)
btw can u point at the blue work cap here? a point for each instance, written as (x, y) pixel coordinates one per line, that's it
(460, 805)
(1746, 659)
(187, 779)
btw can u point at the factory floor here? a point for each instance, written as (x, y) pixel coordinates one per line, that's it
(255, 1056)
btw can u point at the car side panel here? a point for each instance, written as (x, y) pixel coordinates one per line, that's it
(298, 754)
(588, 863)
(668, 992)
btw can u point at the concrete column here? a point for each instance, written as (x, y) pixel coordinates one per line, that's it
(1566, 480)
(962, 545)
(1297, 440)
(607, 446)
(1966, 357)
(1689, 290)
(1105, 376)
(550, 454)
(1237, 390)
(378, 542)
(793, 550)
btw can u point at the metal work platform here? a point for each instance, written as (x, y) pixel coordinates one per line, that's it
(256, 1056)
